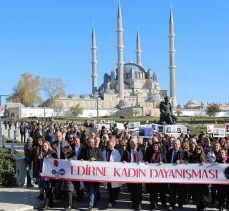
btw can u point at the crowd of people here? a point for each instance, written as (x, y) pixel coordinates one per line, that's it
(77, 142)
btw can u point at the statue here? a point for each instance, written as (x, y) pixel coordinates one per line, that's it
(166, 116)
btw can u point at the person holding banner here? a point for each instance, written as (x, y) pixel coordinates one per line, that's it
(67, 186)
(177, 156)
(212, 156)
(110, 154)
(91, 153)
(35, 158)
(47, 152)
(198, 189)
(58, 145)
(134, 155)
(154, 155)
(76, 148)
(223, 190)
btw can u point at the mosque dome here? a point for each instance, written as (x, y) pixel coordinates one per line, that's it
(108, 91)
(194, 102)
(134, 67)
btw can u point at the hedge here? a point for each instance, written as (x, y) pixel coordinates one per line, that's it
(7, 167)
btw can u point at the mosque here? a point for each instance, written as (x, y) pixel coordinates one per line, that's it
(129, 85)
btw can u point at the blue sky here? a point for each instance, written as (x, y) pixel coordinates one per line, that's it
(52, 38)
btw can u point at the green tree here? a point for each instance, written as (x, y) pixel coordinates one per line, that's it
(212, 109)
(76, 110)
(27, 90)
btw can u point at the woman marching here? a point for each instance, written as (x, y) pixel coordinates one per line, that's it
(154, 155)
(47, 152)
(67, 185)
(198, 189)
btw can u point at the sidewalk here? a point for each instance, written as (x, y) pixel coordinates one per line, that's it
(19, 198)
(22, 198)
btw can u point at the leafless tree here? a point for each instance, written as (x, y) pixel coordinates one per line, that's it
(53, 87)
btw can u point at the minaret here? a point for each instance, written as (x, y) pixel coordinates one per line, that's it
(120, 53)
(172, 66)
(138, 50)
(93, 63)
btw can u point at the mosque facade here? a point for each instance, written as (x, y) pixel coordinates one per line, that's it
(129, 85)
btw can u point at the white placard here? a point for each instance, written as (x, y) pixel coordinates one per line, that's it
(210, 128)
(227, 128)
(99, 126)
(134, 125)
(120, 126)
(219, 132)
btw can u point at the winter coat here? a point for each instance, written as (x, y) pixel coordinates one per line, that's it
(114, 157)
(127, 156)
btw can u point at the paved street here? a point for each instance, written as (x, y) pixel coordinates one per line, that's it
(21, 198)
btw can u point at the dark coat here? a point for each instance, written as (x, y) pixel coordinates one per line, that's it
(127, 156)
(55, 146)
(148, 155)
(87, 153)
(181, 155)
(35, 158)
(22, 129)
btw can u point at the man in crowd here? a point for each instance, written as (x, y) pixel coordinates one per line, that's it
(28, 150)
(22, 129)
(110, 154)
(176, 156)
(134, 155)
(91, 153)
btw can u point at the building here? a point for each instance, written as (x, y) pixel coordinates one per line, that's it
(129, 85)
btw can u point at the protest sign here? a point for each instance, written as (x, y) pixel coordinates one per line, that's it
(100, 125)
(145, 132)
(182, 129)
(134, 125)
(210, 128)
(170, 129)
(218, 132)
(120, 126)
(227, 128)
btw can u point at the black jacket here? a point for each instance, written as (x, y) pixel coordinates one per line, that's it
(88, 153)
(149, 152)
(180, 155)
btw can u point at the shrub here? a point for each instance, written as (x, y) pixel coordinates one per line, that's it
(7, 167)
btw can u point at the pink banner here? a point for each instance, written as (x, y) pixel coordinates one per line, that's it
(97, 171)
